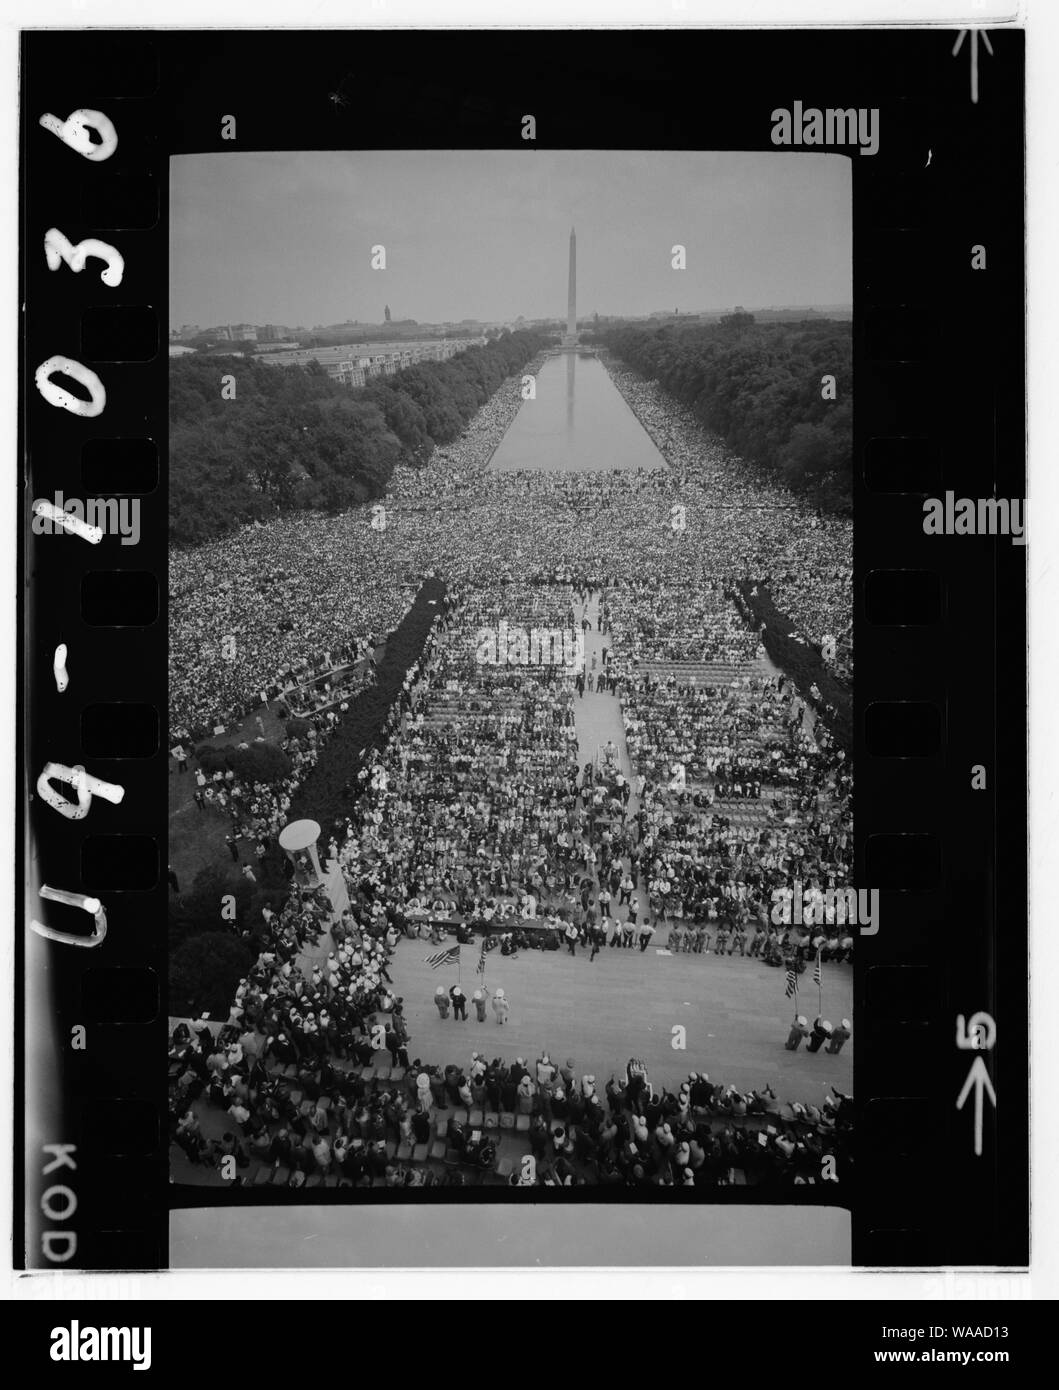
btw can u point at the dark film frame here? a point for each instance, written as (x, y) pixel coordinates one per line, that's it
(939, 371)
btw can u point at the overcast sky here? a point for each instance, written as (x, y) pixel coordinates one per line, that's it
(286, 238)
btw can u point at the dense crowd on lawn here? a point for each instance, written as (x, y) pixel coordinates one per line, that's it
(253, 616)
(476, 806)
(246, 612)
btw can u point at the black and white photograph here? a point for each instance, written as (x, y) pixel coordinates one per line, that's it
(524, 563)
(511, 671)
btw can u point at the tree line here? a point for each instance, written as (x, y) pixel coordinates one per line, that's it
(759, 386)
(294, 439)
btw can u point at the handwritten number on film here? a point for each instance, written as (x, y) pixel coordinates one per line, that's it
(76, 132)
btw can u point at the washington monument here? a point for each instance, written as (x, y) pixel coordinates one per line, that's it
(571, 296)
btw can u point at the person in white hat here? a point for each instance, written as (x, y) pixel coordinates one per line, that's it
(441, 999)
(799, 1030)
(459, 1003)
(479, 1005)
(500, 1006)
(839, 1037)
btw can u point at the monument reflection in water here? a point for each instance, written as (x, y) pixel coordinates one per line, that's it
(578, 421)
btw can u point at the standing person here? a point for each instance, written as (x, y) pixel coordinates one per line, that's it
(181, 757)
(646, 932)
(839, 1037)
(546, 1071)
(479, 1005)
(441, 999)
(459, 1003)
(500, 1006)
(571, 937)
(393, 1044)
(628, 929)
(799, 1030)
(822, 1030)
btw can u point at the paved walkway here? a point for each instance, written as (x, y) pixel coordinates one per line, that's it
(598, 721)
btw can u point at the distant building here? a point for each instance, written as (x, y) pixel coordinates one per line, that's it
(387, 313)
(354, 364)
(242, 332)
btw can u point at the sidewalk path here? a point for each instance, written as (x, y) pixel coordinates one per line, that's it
(598, 720)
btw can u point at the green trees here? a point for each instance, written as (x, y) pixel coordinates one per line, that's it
(204, 972)
(760, 386)
(258, 762)
(294, 439)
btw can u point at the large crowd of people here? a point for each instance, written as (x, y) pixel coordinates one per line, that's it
(476, 811)
(295, 1072)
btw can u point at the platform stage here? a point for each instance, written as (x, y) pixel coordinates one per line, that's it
(626, 1004)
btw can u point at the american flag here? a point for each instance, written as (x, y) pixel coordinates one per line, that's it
(440, 958)
(792, 983)
(481, 959)
(818, 979)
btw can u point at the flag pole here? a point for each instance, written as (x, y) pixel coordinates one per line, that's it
(819, 974)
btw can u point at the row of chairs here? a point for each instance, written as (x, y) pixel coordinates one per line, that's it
(436, 1149)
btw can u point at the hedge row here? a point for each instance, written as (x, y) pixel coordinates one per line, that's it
(328, 793)
(803, 662)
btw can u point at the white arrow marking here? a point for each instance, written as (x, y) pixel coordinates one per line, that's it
(974, 54)
(977, 1077)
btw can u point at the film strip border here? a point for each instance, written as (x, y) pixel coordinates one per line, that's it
(92, 658)
(939, 687)
(941, 1060)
